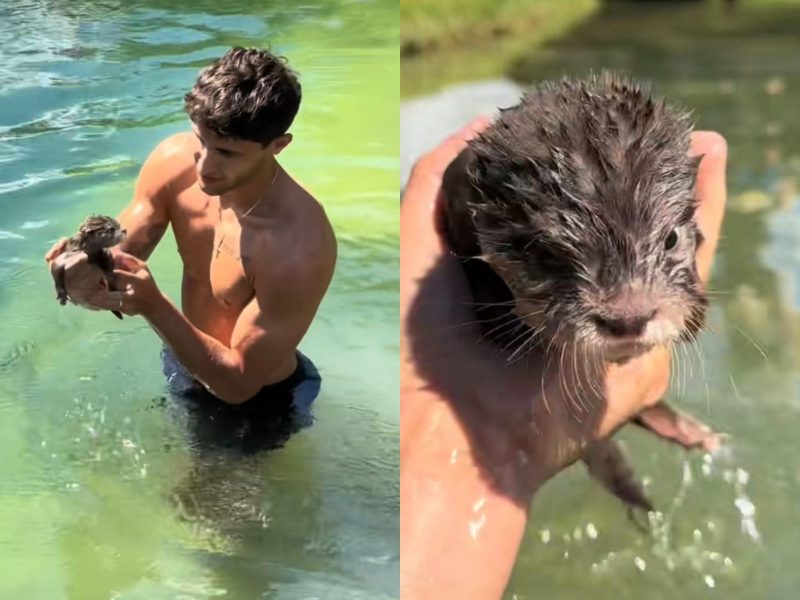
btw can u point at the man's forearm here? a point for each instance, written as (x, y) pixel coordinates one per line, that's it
(141, 242)
(206, 358)
(459, 534)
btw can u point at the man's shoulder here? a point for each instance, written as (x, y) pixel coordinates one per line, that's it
(316, 240)
(171, 162)
(176, 146)
(304, 255)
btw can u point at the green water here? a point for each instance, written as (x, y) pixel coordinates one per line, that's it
(91, 467)
(740, 72)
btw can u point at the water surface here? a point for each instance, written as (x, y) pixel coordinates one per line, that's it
(100, 495)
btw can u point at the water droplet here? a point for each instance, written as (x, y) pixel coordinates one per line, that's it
(746, 508)
(727, 562)
(591, 531)
(545, 535)
(687, 473)
(709, 581)
(640, 564)
(475, 526)
(742, 476)
(697, 535)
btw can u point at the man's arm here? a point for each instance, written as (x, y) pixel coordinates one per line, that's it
(266, 333)
(166, 171)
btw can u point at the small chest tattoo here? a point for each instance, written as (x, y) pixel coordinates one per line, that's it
(224, 246)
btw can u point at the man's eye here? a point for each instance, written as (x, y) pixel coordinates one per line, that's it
(225, 152)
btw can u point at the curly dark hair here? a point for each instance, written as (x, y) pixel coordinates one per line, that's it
(246, 94)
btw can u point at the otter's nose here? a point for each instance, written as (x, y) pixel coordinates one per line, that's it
(623, 326)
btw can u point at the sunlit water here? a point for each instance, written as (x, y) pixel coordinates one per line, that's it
(100, 496)
(727, 526)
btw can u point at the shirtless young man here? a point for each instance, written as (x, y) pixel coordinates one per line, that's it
(258, 251)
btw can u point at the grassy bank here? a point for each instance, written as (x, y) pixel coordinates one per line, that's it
(434, 24)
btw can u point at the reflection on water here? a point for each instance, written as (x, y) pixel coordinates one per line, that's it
(727, 525)
(102, 491)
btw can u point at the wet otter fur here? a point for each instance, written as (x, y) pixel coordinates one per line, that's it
(573, 216)
(95, 235)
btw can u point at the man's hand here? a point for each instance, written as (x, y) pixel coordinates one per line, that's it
(138, 293)
(56, 249)
(479, 436)
(82, 280)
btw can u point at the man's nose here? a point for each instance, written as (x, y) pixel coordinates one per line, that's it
(203, 162)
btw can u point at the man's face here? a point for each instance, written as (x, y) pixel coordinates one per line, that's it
(224, 164)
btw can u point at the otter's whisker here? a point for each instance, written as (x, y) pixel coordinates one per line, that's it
(752, 341)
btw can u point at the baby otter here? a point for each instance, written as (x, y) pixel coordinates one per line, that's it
(95, 235)
(574, 217)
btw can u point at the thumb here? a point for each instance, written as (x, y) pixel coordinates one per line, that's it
(128, 262)
(124, 278)
(57, 249)
(711, 194)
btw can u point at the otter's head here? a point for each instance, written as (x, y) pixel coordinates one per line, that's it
(99, 231)
(586, 209)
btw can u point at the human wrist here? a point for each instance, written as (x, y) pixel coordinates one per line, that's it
(157, 308)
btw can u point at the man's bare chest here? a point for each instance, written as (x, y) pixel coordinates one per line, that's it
(215, 252)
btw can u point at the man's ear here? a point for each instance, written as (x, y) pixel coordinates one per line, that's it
(281, 142)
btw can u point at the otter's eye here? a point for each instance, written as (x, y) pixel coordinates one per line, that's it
(672, 240)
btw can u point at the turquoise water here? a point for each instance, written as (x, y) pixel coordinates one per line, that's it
(727, 526)
(99, 494)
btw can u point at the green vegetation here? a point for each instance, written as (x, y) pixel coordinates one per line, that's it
(433, 24)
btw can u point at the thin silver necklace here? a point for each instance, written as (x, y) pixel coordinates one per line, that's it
(269, 187)
(249, 210)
